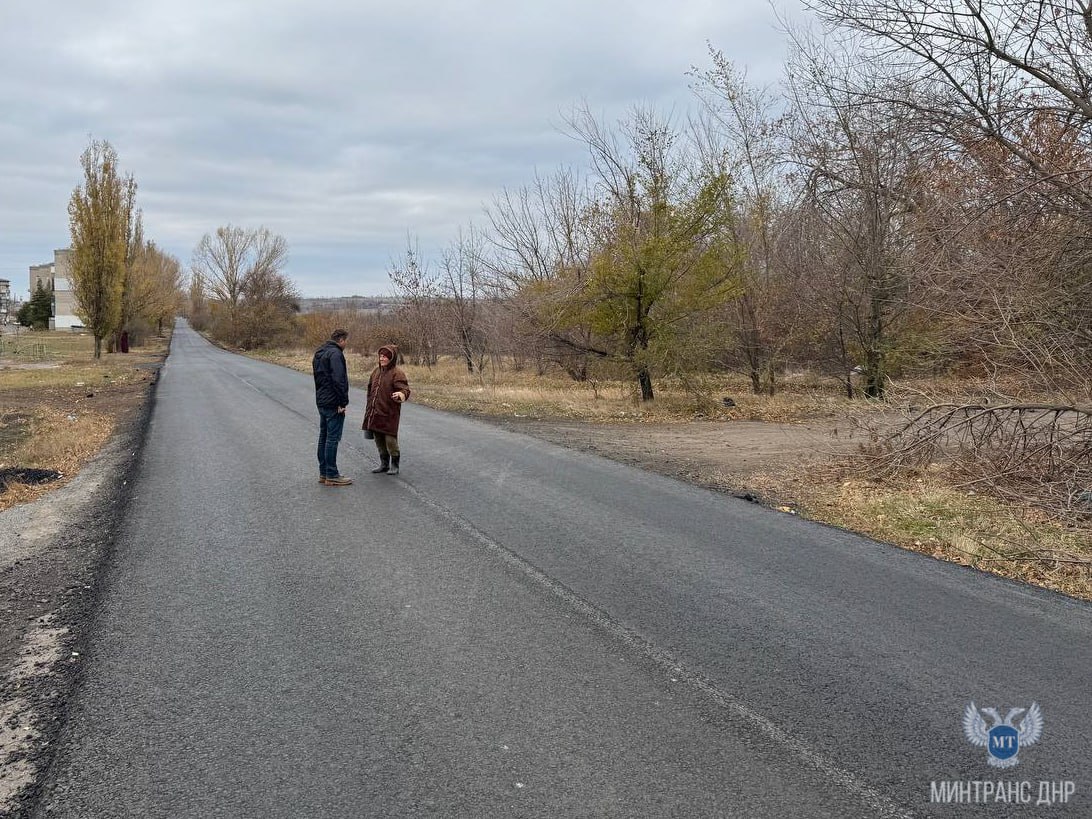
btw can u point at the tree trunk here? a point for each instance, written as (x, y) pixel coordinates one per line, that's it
(875, 386)
(771, 379)
(875, 376)
(875, 371)
(468, 349)
(645, 380)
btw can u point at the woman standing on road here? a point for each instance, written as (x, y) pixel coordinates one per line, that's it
(387, 389)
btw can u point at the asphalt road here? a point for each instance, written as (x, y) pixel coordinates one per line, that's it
(509, 628)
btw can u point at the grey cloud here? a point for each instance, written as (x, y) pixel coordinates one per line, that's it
(341, 125)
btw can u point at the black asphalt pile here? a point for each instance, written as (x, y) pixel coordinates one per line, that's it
(26, 475)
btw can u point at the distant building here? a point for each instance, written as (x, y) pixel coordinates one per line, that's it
(5, 301)
(56, 277)
(354, 304)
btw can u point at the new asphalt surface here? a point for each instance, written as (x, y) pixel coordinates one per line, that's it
(509, 628)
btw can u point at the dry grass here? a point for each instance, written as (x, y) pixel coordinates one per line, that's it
(523, 394)
(928, 515)
(59, 412)
(62, 439)
(44, 345)
(73, 374)
(56, 440)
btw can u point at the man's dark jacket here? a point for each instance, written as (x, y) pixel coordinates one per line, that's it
(331, 376)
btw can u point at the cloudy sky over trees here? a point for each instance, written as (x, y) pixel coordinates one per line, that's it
(343, 126)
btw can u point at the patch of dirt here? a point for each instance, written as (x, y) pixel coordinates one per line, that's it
(51, 554)
(14, 427)
(723, 455)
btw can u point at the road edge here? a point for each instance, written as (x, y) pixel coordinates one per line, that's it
(39, 679)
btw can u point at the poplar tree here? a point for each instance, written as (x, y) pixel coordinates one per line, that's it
(100, 214)
(153, 293)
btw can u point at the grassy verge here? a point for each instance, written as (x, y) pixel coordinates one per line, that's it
(930, 516)
(60, 405)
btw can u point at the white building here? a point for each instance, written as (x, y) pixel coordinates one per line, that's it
(55, 277)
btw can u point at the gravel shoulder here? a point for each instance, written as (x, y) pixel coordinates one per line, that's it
(51, 553)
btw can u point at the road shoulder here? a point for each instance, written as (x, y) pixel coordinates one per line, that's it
(52, 552)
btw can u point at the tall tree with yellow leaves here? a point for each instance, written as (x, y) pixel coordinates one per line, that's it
(100, 213)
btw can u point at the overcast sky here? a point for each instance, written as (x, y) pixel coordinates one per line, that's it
(343, 125)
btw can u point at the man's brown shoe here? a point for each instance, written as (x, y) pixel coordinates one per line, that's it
(340, 480)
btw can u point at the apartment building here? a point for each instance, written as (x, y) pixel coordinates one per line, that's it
(6, 315)
(56, 278)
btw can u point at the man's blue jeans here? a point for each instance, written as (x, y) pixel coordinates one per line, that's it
(331, 422)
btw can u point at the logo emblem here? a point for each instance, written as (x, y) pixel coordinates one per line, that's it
(1003, 740)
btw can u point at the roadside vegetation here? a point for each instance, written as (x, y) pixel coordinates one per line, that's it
(59, 405)
(504, 392)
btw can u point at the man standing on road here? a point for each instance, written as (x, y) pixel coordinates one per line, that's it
(332, 397)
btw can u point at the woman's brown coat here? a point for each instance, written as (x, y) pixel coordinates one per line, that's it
(381, 413)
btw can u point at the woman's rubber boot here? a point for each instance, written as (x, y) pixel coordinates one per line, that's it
(384, 464)
(394, 465)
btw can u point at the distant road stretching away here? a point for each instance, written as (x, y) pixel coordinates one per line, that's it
(510, 628)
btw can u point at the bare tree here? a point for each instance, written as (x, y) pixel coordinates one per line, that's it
(1004, 87)
(270, 304)
(461, 289)
(982, 70)
(416, 285)
(220, 263)
(540, 236)
(235, 260)
(741, 136)
(859, 164)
